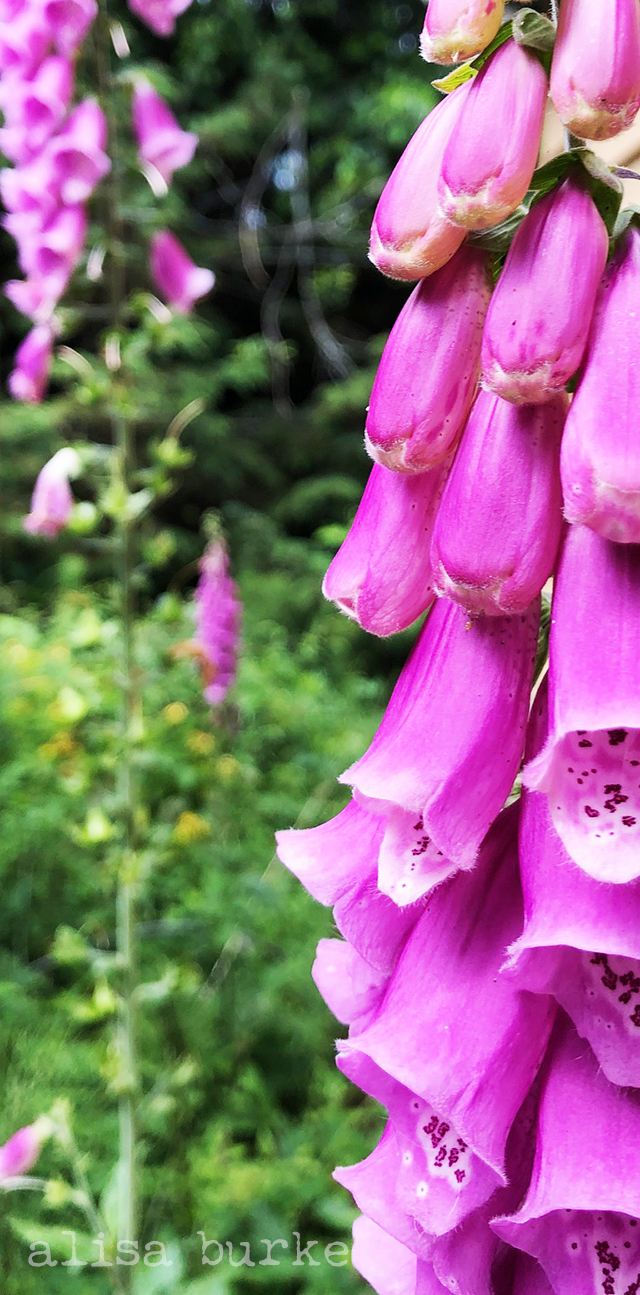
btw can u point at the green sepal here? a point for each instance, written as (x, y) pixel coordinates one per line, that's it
(468, 70)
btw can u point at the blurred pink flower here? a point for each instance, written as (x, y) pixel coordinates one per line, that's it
(176, 277)
(217, 623)
(69, 21)
(76, 158)
(52, 501)
(161, 141)
(32, 364)
(159, 15)
(34, 109)
(21, 1152)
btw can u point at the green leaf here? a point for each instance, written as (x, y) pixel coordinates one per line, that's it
(606, 188)
(534, 30)
(468, 70)
(630, 216)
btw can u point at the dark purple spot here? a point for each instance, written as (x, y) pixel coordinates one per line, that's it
(584, 742)
(617, 736)
(629, 821)
(591, 813)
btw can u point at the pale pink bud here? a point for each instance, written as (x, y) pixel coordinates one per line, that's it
(69, 21)
(410, 237)
(162, 143)
(52, 501)
(491, 155)
(177, 279)
(498, 527)
(539, 316)
(159, 15)
(34, 109)
(455, 30)
(76, 158)
(28, 381)
(20, 1153)
(595, 72)
(429, 370)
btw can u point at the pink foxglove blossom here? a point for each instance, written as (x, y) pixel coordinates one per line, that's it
(589, 765)
(75, 160)
(456, 30)
(600, 461)
(540, 313)
(19, 1154)
(217, 623)
(162, 143)
(34, 109)
(497, 530)
(595, 72)
(30, 375)
(429, 370)
(159, 15)
(52, 501)
(24, 41)
(177, 279)
(69, 21)
(492, 151)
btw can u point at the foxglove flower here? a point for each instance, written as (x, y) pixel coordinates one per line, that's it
(491, 154)
(595, 72)
(453, 773)
(429, 370)
(498, 527)
(350, 986)
(162, 143)
(159, 15)
(75, 160)
(600, 460)
(34, 109)
(410, 237)
(388, 1266)
(30, 376)
(580, 1215)
(52, 501)
(177, 279)
(539, 316)
(69, 22)
(217, 623)
(581, 938)
(589, 765)
(24, 41)
(19, 1154)
(381, 576)
(455, 30)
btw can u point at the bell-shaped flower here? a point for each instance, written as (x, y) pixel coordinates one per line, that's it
(380, 576)
(580, 1216)
(350, 986)
(162, 144)
(177, 279)
(455, 30)
(76, 160)
(159, 15)
(218, 612)
(52, 501)
(51, 251)
(429, 371)
(595, 72)
(589, 765)
(410, 237)
(600, 463)
(498, 528)
(454, 774)
(539, 316)
(24, 41)
(581, 937)
(454, 1065)
(492, 151)
(69, 21)
(34, 109)
(19, 1154)
(30, 375)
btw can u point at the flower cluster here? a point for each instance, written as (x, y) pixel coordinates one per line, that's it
(218, 613)
(489, 965)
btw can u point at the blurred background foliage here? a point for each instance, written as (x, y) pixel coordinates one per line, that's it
(302, 107)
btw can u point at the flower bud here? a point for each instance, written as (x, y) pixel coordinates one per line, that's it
(429, 370)
(381, 576)
(410, 237)
(29, 378)
(176, 277)
(19, 1154)
(491, 155)
(161, 141)
(455, 30)
(539, 316)
(600, 464)
(595, 72)
(52, 500)
(498, 527)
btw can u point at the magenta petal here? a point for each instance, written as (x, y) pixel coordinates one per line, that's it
(590, 765)
(70, 21)
(161, 141)
(595, 72)
(498, 527)
(30, 376)
(429, 371)
(450, 743)
(19, 1154)
(372, 1184)
(384, 1262)
(176, 277)
(579, 1218)
(351, 987)
(600, 464)
(530, 1278)
(381, 576)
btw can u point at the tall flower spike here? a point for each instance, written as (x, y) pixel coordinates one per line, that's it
(539, 316)
(498, 527)
(589, 767)
(581, 938)
(161, 141)
(429, 370)
(30, 375)
(52, 501)
(455, 30)
(491, 154)
(177, 279)
(410, 238)
(580, 1216)
(595, 72)
(381, 576)
(600, 460)
(450, 743)
(217, 623)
